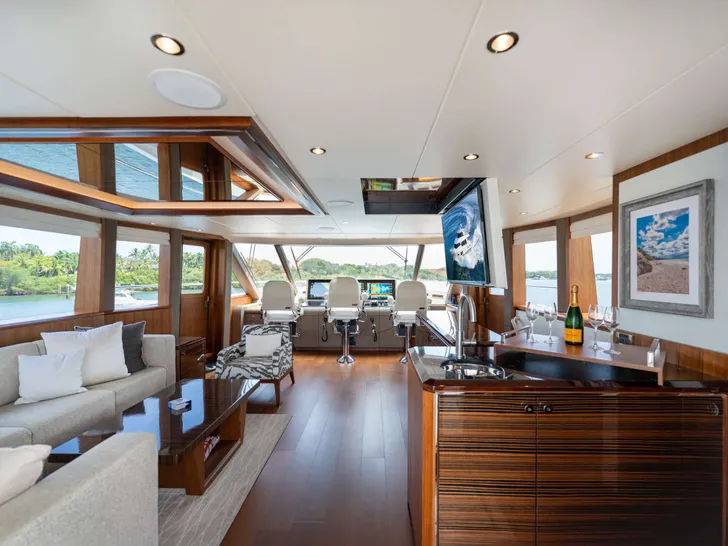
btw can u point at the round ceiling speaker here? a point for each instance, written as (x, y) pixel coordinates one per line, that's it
(187, 88)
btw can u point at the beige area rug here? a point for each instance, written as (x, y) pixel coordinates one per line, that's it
(203, 521)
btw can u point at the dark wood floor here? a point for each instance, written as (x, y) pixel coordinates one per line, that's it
(339, 473)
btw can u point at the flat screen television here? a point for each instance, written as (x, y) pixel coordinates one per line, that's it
(463, 230)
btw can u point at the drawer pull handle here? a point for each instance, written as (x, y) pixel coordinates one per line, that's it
(528, 408)
(547, 408)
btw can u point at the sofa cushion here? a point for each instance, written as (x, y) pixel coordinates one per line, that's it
(14, 437)
(9, 386)
(135, 388)
(104, 360)
(132, 336)
(49, 376)
(56, 421)
(22, 466)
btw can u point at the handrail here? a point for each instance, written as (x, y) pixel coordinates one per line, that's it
(653, 354)
(514, 333)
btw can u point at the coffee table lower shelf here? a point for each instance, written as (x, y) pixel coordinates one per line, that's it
(192, 472)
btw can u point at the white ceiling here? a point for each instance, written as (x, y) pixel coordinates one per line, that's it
(397, 88)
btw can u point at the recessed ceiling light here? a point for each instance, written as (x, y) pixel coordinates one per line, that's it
(198, 230)
(594, 155)
(345, 223)
(340, 203)
(471, 157)
(318, 151)
(524, 213)
(167, 44)
(500, 43)
(152, 224)
(187, 88)
(514, 190)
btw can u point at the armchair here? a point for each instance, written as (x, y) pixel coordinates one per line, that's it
(233, 364)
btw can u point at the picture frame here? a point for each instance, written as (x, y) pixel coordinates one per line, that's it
(667, 251)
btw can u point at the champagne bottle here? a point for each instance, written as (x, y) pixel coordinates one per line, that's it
(574, 324)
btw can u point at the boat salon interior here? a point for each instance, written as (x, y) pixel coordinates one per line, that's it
(403, 272)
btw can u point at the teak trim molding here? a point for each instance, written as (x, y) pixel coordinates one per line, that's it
(32, 180)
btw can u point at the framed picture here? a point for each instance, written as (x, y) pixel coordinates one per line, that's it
(667, 251)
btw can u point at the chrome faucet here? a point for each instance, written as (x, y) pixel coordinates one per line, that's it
(460, 342)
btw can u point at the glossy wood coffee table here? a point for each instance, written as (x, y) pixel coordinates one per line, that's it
(218, 407)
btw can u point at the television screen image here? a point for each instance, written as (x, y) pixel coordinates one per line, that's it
(462, 230)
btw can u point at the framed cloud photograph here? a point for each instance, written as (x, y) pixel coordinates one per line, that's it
(667, 251)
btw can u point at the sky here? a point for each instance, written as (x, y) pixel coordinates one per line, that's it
(665, 236)
(434, 257)
(49, 242)
(542, 256)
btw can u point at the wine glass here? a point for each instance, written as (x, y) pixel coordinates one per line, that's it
(550, 313)
(531, 315)
(595, 319)
(611, 321)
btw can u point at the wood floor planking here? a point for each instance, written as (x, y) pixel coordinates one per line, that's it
(339, 473)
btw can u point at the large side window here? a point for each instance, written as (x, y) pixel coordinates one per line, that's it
(263, 264)
(137, 275)
(56, 159)
(38, 271)
(193, 269)
(602, 255)
(541, 273)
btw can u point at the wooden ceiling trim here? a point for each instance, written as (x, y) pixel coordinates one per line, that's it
(700, 145)
(40, 182)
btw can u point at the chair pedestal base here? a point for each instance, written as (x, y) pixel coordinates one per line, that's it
(346, 357)
(407, 339)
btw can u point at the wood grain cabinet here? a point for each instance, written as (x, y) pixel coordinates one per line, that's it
(191, 353)
(580, 469)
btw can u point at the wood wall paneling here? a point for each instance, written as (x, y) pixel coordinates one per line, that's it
(89, 278)
(158, 319)
(175, 279)
(495, 314)
(518, 284)
(158, 322)
(581, 271)
(219, 277)
(170, 172)
(96, 166)
(563, 235)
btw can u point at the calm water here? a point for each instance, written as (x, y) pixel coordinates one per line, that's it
(23, 307)
(545, 292)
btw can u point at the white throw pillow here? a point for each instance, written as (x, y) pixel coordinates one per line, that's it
(20, 468)
(261, 345)
(50, 376)
(104, 360)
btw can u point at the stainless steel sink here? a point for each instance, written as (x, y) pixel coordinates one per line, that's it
(471, 370)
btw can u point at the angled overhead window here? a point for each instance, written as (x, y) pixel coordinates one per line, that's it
(56, 159)
(262, 262)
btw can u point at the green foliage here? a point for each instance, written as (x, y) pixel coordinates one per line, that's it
(25, 269)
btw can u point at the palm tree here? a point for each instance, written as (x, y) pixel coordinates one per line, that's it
(8, 250)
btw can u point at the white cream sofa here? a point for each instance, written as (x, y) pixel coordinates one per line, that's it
(54, 422)
(106, 496)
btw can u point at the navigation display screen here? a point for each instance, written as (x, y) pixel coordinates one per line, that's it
(380, 290)
(317, 289)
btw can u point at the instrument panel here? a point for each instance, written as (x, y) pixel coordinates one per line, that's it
(379, 290)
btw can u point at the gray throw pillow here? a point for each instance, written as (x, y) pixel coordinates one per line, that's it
(131, 338)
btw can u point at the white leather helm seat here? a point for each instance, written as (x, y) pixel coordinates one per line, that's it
(279, 302)
(411, 299)
(344, 301)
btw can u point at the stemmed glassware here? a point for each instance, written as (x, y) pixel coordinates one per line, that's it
(595, 319)
(550, 313)
(531, 315)
(611, 321)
